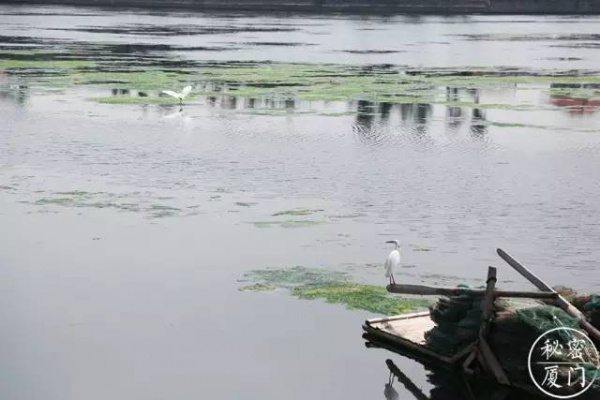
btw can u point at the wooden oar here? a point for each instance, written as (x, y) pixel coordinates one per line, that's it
(543, 286)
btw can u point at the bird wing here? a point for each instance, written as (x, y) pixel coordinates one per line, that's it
(395, 258)
(388, 266)
(171, 93)
(186, 90)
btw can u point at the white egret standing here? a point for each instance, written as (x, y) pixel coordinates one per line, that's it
(393, 261)
(186, 90)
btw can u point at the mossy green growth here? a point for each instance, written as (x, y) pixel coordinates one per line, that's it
(371, 298)
(334, 287)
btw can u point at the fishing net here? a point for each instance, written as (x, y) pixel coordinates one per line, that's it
(518, 323)
(544, 318)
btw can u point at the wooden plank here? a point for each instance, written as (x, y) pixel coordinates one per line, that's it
(560, 301)
(434, 291)
(412, 329)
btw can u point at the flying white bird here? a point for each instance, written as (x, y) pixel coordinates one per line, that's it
(393, 261)
(186, 90)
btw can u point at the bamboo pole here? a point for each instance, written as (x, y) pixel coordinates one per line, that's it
(487, 316)
(560, 301)
(433, 291)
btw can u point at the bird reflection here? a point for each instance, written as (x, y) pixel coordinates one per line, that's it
(389, 392)
(174, 114)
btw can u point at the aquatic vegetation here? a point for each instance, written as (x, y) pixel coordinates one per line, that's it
(287, 224)
(287, 83)
(422, 248)
(102, 200)
(163, 214)
(362, 297)
(143, 79)
(258, 287)
(289, 278)
(300, 211)
(300, 223)
(135, 100)
(334, 287)
(45, 65)
(245, 204)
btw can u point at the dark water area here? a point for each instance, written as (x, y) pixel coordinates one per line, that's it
(127, 229)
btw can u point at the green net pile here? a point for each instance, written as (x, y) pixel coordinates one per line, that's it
(516, 327)
(457, 319)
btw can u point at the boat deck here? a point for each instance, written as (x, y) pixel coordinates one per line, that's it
(411, 327)
(406, 334)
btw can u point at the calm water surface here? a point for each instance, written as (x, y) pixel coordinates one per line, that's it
(116, 298)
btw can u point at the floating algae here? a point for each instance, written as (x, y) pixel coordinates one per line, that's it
(288, 223)
(299, 211)
(45, 65)
(135, 100)
(302, 81)
(102, 200)
(332, 286)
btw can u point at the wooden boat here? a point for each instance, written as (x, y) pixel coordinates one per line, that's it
(407, 334)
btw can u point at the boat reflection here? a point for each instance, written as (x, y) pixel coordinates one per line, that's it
(448, 385)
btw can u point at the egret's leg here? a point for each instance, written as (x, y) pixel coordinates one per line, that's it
(392, 279)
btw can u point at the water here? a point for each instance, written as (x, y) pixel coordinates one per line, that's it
(130, 289)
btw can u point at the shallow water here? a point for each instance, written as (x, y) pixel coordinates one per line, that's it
(127, 229)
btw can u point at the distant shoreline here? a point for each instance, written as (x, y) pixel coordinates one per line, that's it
(424, 7)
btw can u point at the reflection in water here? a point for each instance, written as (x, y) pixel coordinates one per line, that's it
(576, 97)
(364, 116)
(453, 114)
(249, 103)
(384, 110)
(478, 123)
(448, 385)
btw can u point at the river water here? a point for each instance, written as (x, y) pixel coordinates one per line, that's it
(117, 301)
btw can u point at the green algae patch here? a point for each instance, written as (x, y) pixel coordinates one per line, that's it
(258, 287)
(135, 100)
(371, 298)
(334, 287)
(288, 223)
(150, 79)
(299, 211)
(102, 200)
(45, 65)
